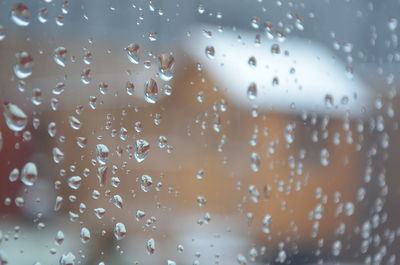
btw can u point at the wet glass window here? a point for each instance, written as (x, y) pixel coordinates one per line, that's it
(247, 132)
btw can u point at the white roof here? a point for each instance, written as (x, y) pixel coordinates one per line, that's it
(317, 73)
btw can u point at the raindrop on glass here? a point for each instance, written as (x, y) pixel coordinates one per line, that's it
(23, 64)
(166, 66)
(20, 14)
(60, 56)
(29, 174)
(132, 51)
(119, 231)
(15, 118)
(74, 182)
(142, 148)
(151, 91)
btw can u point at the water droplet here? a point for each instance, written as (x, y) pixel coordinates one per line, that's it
(65, 7)
(59, 20)
(166, 66)
(336, 248)
(139, 215)
(255, 22)
(324, 157)
(151, 91)
(151, 246)
(200, 9)
(152, 36)
(210, 52)
(115, 181)
(392, 23)
(37, 96)
(43, 15)
(74, 123)
(119, 231)
(23, 64)
(20, 14)
(103, 88)
(102, 175)
(118, 202)
(201, 200)
(102, 154)
(29, 174)
(85, 235)
(132, 51)
(275, 49)
(14, 174)
(241, 259)
(81, 142)
(59, 237)
(129, 88)
(85, 76)
(252, 61)
(60, 56)
(141, 151)
(15, 118)
(99, 212)
(87, 57)
(58, 203)
(266, 224)
(255, 161)
(74, 182)
(281, 258)
(2, 33)
(67, 259)
(145, 183)
(58, 156)
(252, 91)
(200, 174)
(58, 89)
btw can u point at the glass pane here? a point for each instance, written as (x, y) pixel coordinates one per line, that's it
(199, 132)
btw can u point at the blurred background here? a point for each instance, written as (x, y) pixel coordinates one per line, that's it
(199, 132)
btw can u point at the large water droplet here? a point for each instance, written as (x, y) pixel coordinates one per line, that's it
(20, 14)
(150, 91)
(99, 212)
(23, 64)
(85, 76)
(119, 231)
(145, 183)
(67, 259)
(141, 151)
(210, 52)
(60, 56)
(15, 118)
(392, 23)
(132, 51)
(43, 15)
(102, 153)
(29, 174)
(117, 201)
(14, 174)
(74, 123)
(129, 88)
(151, 246)
(58, 156)
(85, 235)
(59, 237)
(74, 182)
(166, 66)
(252, 91)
